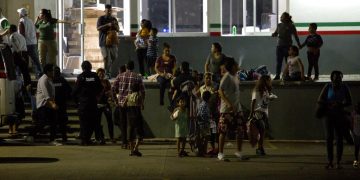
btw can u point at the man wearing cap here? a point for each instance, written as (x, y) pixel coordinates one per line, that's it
(27, 29)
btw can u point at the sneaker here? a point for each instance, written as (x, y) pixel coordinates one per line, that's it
(135, 153)
(221, 156)
(276, 77)
(29, 139)
(316, 78)
(240, 156)
(54, 143)
(356, 164)
(260, 152)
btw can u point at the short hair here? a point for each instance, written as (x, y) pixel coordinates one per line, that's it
(13, 28)
(217, 46)
(313, 25)
(166, 45)
(48, 68)
(185, 66)
(86, 66)
(130, 65)
(100, 70)
(295, 49)
(206, 96)
(229, 63)
(155, 30)
(108, 6)
(336, 72)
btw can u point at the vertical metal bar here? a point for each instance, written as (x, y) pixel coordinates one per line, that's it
(174, 15)
(244, 17)
(61, 34)
(231, 18)
(254, 15)
(82, 30)
(170, 20)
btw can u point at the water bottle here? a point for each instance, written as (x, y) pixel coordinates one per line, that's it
(234, 31)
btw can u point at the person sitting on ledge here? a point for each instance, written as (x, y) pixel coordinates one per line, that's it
(294, 70)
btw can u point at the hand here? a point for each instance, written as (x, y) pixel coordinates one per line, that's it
(109, 24)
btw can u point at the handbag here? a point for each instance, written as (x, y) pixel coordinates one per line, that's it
(111, 38)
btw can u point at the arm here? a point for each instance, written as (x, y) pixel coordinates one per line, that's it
(157, 64)
(347, 101)
(300, 64)
(275, 34)
(22, 29)
(207, 65)
(323, 94)
(174, 67)
(296, 36)
(304, 44)
(286, 71)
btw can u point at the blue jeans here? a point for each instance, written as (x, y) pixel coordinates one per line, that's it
(163, 83)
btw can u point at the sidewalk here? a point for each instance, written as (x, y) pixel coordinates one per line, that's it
(284, 161)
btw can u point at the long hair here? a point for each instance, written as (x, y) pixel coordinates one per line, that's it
(287, 17)
(261, 85)
(48, 16)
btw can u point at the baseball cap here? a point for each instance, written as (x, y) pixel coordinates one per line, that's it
(22, 11)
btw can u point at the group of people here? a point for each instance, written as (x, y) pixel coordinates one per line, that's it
(207, 107)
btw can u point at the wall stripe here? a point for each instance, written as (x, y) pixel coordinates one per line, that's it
(329, 24)
(303, 33)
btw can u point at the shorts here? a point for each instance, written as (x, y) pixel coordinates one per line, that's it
(233, 122)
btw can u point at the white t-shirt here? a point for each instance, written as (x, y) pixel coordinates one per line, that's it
(293, 64)
(30, 32)
(17, 42)
(262, 102)
(230, 85)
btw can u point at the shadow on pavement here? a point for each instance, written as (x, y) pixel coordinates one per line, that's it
(8, 160)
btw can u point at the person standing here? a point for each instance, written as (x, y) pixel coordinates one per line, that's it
(26, 28)
(19, 49)
(334, 97)
(151, 54)
(47, 45)
(121, 86)
(108, 26)
(45, 105)
(214, 62)
(231, 116)
(141, 43)
(62, 94)
(313, 43)
(86, 90)
(284, 31)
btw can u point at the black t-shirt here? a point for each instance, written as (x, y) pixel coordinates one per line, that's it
(87, 88)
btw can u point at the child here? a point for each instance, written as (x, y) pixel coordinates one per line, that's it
(213, 106)
(181, 118)
(356, 133)
(151, 54)
(314, 43)
(134, 103)
(203, 122)
(261, 97)
(294, 70)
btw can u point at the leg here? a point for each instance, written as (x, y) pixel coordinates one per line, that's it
(281, 54)
(105, 55)
(310, 57)
(123, 125)
(339, 130)
(42, 52)
(52, 52)
(178, 144)
(99, 134)
(141, 55)
(162, 83)
(113, 57)
(33, 53)
(316, 65)
(110, 123)
(329, 128)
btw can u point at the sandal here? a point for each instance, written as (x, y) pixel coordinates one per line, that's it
(329, 166)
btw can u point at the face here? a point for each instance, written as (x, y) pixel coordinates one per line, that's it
(213, 49)
(41, 15)
(166, 51)
(101, 74)
(312, 30)
(284, 18)
(291, 51)
(181, 103)
(108, 12)
(57, 72)
(207, 80)
(336, 81)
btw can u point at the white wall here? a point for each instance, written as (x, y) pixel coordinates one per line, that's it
(325, 10)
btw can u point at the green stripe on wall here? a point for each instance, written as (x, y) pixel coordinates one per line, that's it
(329, 24)
(215, 25)
(134, 26)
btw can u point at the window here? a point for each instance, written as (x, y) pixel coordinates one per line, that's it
(174, 16)
(249, 17)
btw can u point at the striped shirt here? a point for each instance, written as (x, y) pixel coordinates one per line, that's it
(152, 47)
(122, 85)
